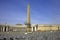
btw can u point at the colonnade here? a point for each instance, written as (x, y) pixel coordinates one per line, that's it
(4, 29)
(34, 28)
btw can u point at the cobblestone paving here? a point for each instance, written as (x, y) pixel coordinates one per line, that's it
(31, 36)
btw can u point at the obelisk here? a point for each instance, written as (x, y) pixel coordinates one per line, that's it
(28, 18)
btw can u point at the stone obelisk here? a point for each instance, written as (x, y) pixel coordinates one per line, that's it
(28, 19)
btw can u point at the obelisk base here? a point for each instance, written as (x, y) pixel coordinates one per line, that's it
(28, 29)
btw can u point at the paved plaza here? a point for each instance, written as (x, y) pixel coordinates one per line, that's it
(30, 36)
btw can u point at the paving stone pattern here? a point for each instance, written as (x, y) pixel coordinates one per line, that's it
(31, 36)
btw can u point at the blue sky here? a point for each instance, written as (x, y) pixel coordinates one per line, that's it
(42, 11)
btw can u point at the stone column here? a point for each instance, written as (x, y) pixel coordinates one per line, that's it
(3, 29)
(35, 28)
(32, 29)
(6, 29)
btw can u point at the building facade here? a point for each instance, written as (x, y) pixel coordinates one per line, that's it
(23, 28)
